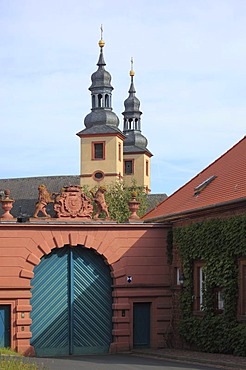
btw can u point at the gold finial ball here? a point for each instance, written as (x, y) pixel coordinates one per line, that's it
(101, 43)
(132, 73)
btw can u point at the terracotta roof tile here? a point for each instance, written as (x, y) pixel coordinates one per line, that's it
(229, 185)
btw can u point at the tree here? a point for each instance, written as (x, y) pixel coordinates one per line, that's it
(117, 197)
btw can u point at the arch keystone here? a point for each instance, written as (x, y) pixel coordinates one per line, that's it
(58, 241)
(90, 241)
(73, 239)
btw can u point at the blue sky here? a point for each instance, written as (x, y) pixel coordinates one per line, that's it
(190, 65)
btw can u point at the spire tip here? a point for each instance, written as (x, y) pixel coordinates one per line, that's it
(132, 73)
(101, 43)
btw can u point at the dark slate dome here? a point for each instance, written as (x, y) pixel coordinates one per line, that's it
(101, 117)
(101, 93)
(135, 138)
(134, 141)
(132, 103)
(101, 78)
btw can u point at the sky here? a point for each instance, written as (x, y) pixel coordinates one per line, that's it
(190, 77)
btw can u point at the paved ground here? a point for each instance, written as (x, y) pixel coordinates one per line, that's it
(219, 360)
(148, 359)
(117, 362)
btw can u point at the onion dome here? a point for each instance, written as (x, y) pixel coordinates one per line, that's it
(101, 95)
(132, 103)
(101, 78)
(132, 119)
(101, 117)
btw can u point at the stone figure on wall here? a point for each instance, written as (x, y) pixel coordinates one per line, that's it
(101, 205)
(44, 198)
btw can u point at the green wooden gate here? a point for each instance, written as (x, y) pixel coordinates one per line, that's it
(141, 325)
(4, 326)
(71, 303)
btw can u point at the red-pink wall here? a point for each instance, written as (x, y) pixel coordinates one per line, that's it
(136, 250)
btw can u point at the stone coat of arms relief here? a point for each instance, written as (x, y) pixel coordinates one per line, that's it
(71, 202)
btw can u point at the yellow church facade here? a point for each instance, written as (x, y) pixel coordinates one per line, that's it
(101, 160)
(139, 170)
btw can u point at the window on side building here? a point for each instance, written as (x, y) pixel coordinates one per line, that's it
(242, 288)
(198, 286)
(218, 300)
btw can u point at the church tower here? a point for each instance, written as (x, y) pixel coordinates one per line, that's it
(136, 156)
(101, 142)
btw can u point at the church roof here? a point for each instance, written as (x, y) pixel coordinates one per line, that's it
(133, 149)
(25, 190)
(221, 182)
(100, 129)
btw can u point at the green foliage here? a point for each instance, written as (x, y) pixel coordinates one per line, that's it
(8, 351)
(117, 197)
(170, 247)
(239, 339)
(11, 363)
(218, 243)
(209, 333)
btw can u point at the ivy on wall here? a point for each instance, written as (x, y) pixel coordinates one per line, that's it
(170, 247)
(219, 243)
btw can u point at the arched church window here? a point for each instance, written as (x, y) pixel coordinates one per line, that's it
(99, 100)
(130, 124)
(93, 101)
(125, 124)
(136, 124)
(106, 101)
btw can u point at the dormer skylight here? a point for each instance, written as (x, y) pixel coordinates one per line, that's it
(198, 189)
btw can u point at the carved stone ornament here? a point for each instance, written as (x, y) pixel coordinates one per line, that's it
(72, 202)
(134, 207)
(7, 205)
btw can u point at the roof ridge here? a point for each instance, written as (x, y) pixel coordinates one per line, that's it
(36, 177)
(193, 178)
